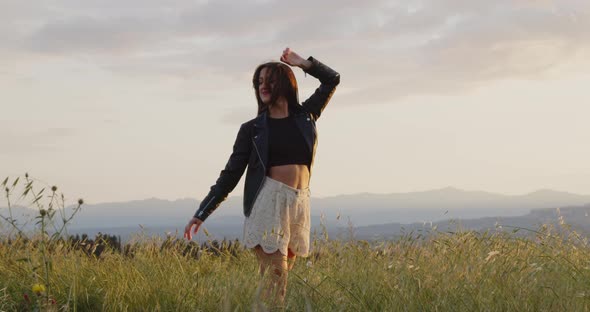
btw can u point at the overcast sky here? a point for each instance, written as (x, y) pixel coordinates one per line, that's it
(121, 100)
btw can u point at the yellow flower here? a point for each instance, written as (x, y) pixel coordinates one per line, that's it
(38, 289)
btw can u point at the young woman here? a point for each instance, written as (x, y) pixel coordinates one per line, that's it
(278, 148)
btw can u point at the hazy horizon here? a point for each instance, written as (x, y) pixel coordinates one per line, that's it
(117, 101)
(238, 193)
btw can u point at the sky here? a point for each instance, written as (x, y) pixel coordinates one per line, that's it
(125, 100)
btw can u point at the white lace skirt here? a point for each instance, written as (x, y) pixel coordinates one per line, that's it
(280, 219)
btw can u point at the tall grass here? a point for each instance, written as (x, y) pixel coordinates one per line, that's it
(441, 271)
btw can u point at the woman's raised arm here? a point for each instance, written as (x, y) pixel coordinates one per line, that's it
(328, 77)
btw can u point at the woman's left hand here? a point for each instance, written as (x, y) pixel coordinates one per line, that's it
(292, 58)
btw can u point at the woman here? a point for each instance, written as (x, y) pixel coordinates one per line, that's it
(278, 148)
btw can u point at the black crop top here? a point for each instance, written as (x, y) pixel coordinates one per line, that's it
(286, 144)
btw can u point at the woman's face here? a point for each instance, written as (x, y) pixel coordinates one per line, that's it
(265, 86)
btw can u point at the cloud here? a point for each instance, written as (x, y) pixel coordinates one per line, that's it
(239, 115)
(411, 47)
(91, 35)
(28, 141)
(471, 46)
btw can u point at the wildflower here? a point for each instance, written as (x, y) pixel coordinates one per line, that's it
(309, 264)
(80, 201)
(54, 188)
(38, 289)
(42, 212)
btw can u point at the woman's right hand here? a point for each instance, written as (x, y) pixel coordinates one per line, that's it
(196, 222)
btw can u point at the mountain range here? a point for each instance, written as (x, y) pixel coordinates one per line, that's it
(366, 213)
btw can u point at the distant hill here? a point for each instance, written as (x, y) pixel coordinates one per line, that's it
(578, 217)
(158, 216)
(434, 205)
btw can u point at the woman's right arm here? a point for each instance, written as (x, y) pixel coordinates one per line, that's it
(229, 177)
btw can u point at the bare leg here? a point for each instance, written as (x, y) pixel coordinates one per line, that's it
(275, 265)
(291, 259)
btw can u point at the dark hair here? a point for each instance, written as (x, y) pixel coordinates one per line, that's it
(285, 84)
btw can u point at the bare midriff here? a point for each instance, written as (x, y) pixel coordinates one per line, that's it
(295, 176)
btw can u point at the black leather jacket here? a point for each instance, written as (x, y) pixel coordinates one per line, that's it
(251, 145)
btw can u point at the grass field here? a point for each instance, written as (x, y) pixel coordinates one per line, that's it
(549, 270)
(462, 271)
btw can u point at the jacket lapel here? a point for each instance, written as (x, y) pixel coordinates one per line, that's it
(260, 137)
(305, 126)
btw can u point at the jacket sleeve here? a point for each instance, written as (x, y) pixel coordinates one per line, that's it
(329, 79)
(229, 177)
